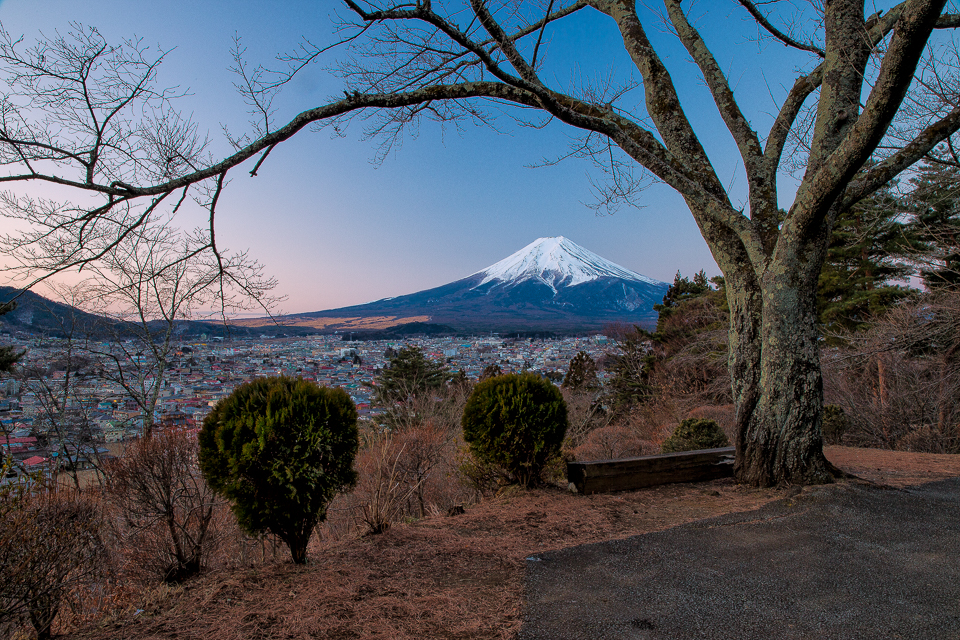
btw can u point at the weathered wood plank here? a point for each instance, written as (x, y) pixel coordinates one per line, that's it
(600, 476)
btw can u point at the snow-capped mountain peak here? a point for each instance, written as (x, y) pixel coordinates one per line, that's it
(552, 285)
(556, 262)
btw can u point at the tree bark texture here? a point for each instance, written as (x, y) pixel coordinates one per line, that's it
(780, 401)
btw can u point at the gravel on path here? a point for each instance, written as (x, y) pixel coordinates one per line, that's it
(845, 561)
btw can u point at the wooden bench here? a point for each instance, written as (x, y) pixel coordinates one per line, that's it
(602, 476)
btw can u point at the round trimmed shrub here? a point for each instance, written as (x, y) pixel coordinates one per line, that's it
(279, 449)
(516, 421)
(693, 434)
(835, 424)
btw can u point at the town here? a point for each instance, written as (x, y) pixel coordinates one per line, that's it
(57, 413)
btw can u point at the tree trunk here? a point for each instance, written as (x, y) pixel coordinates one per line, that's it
(43, 610)
(882, 395)
(777, 384)
(297, 537)
(947, 395)
(298, 549)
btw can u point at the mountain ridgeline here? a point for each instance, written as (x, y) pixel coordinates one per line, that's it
(551, 285)
(36, 315)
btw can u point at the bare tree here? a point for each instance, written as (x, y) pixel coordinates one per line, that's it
(50, 543)
(166, 512)
(899, 381)
(145, 287)
(855, 101)
(58, 372)
(84, 114)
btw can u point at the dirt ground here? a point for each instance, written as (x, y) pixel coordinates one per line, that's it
(455, 577)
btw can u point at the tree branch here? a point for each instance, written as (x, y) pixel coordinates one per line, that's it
(776, 33)
(819, 192)
(910, 154)
(760, 175)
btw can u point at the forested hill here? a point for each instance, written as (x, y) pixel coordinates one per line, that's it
(35, 314)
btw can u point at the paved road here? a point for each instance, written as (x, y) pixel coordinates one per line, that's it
(844, 561)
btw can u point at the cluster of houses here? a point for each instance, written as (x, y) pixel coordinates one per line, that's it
(57, 417)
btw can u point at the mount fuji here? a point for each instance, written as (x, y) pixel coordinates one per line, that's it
(552, 284)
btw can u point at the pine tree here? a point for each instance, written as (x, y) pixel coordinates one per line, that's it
(683, 289)
(935, 201)
(9, 355)
(582, 373)
(491, 371)
(409, 374)
(866, 255)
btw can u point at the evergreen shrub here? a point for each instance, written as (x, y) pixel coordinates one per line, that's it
(279, 449)
(693, 434)
(516, 421)
(835, 423)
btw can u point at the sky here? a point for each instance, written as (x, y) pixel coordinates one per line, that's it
(336, 228)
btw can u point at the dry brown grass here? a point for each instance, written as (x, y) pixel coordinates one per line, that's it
(452, 577)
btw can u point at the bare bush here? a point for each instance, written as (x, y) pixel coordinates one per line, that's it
(680, 391)
(585, 414)
(899, 382)
(410, 474)
(425, 460)
(442, 408)
(407, 468)
(480, 477)
(50, 544)
(679, 372)
(690, 355)
(167, 517)
(380, 493)
(614, 441)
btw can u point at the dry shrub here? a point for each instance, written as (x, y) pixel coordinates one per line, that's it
(930, 439)
(443, 408)
(693, 383)
(340, 522)
(638, 433)
(427, 465)
(404, 474)
(612, 442)
(380, 494)
(682, 371)
(682, 386)
(167, 522)
(899, 382)
(654, 420)
(690, 356)
(481, 478)
(51, 550)
(585, 414)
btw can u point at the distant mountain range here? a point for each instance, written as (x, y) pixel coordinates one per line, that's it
(38, 315)
(551, 285)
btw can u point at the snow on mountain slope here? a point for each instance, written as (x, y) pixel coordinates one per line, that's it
(556, 262)
(551, 285)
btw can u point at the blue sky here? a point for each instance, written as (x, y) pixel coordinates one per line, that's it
(336, 230)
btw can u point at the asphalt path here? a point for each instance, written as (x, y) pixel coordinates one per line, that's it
(843, 561)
